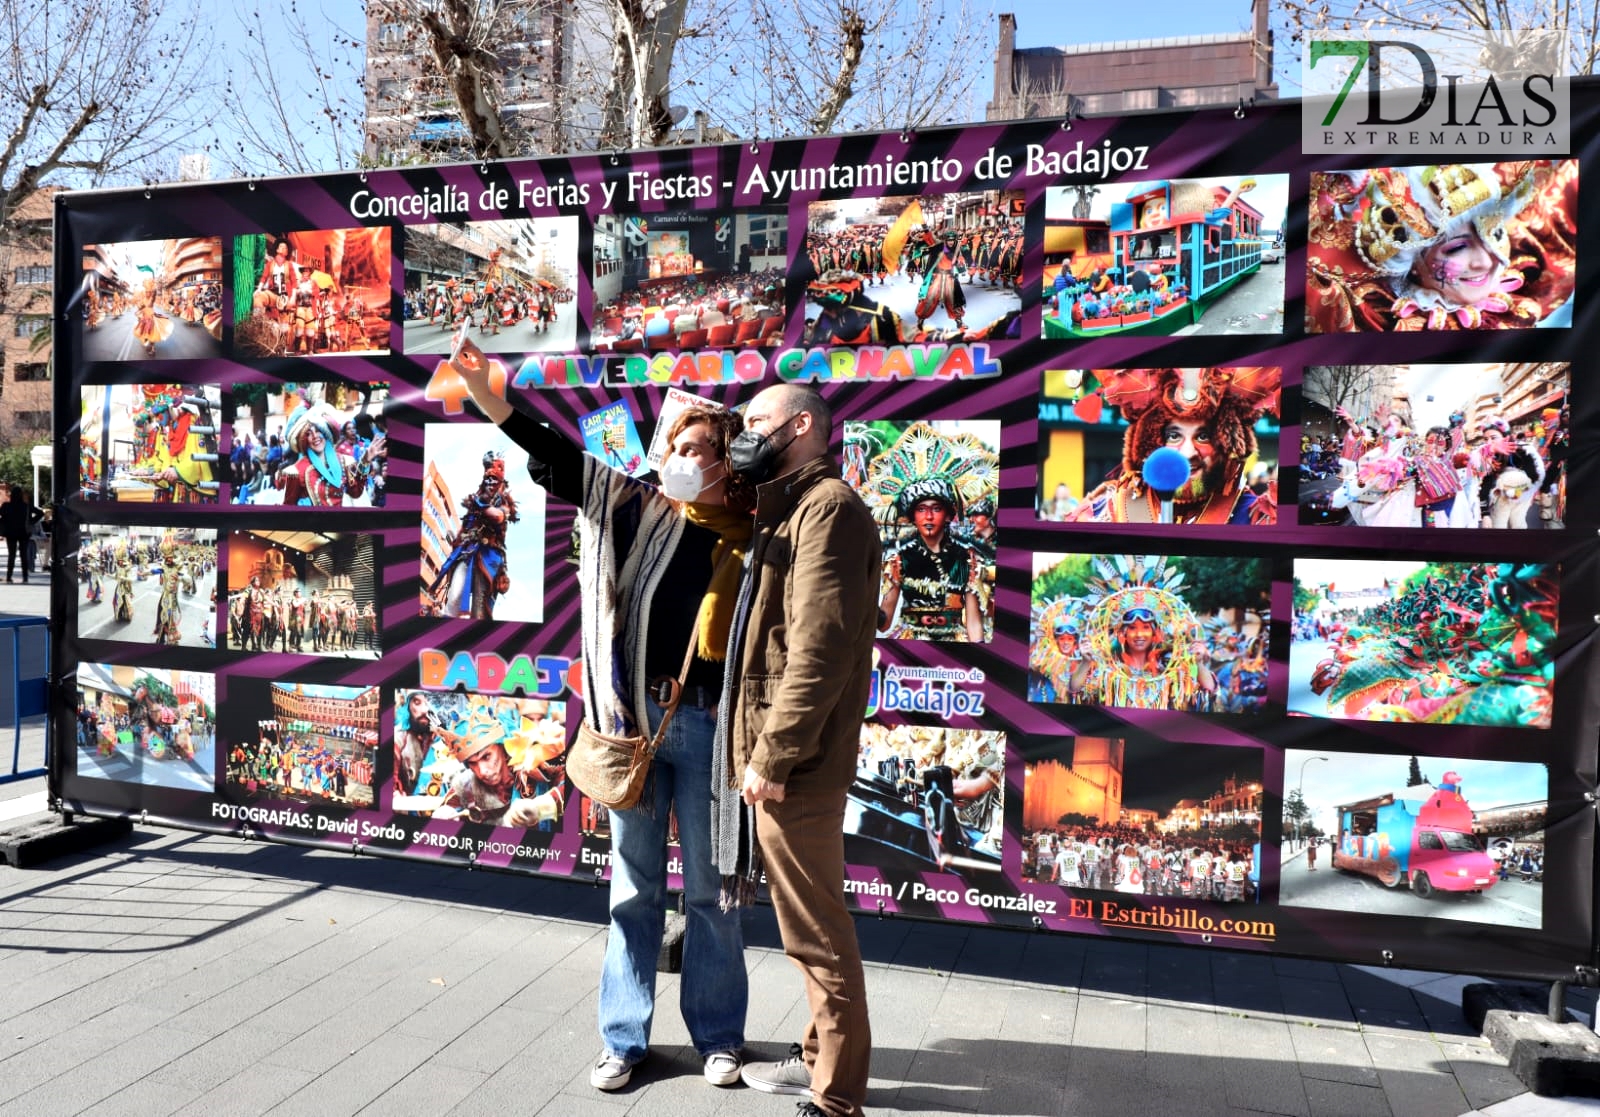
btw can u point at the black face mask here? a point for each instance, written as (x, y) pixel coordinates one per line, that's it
(754, 456)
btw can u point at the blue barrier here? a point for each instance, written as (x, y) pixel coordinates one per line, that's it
(25, 658)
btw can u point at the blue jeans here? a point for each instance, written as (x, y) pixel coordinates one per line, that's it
(713, 989)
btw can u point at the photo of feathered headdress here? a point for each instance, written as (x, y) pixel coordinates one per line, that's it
(924, 463)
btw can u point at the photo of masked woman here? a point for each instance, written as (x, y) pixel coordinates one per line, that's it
(646, 573)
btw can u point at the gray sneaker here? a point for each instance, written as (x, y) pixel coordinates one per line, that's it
(787, 1076)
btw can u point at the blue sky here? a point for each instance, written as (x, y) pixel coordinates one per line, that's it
(1041, 23)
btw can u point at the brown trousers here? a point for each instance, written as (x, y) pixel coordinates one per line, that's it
(802, 842)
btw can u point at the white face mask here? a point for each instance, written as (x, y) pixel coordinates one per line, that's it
(682, 479)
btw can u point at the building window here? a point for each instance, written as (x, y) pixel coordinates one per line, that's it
(30, 324)
(33, 370)
(35, 273)
(33, 420)
(391, 34)
(388, 89)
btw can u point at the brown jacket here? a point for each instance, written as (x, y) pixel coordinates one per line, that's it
(806, 658)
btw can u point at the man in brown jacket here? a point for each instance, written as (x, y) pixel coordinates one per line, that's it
(804, 665)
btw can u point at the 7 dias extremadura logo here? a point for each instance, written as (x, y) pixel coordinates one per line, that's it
(1456, 93)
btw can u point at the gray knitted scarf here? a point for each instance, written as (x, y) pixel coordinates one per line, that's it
(733, 823)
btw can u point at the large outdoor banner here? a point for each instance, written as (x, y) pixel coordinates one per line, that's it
(1239, 578)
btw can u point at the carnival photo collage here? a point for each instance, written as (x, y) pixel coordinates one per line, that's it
(1420, 446)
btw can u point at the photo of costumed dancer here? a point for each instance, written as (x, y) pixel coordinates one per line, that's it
(312, 445)
(496, 761)
(932, 487)
(1161, 445)
(304, 592)
(160, 441)
(1447, 643)
(887, 271)
(148, 585)
(1150, 632)
(318, 744)
(147, 725)
(1445, 446)
(153, 300)
(312, 294)
(510, 283)
(476, 518)
(683, 279)
(1444, 246)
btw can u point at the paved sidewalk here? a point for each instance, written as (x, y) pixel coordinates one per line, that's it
(177, 973)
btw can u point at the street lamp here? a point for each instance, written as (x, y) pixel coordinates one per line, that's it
(1299, 822)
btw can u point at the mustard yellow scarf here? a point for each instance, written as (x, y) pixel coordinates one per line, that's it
(727, 561)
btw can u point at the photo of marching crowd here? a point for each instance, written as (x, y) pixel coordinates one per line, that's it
(1159, 446)
(1150, 632)
(136, 294)
(1445, 246)
(886, 271)
(933, 489)
(1435, 446)
(1447, 643)
(689, 280)
(150, 443)
(510, 283)
(927, 799)
(1432, 836)
(312, 294)
(478, 509)
(1161, 819)
(305, 592)
(496, 761)
(317, 744)
(147, 725)
(1175, 257)
(311, 445)
(148, 585)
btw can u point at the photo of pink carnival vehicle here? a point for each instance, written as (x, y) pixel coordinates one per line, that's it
(1421, 835)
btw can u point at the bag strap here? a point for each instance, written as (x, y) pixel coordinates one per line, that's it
(688, 658)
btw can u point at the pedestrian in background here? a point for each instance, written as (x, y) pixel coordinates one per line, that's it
(17, 517)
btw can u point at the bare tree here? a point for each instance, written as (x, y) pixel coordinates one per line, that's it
(1580, 21)
(294, 108)
(95, 88)
(621, 73)
(811, 67)
(1352, 387)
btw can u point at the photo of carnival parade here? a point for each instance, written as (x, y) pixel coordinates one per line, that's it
(940, 267)
(686, 279)
(148, 585)
(1150, 819)
(309, 444)
(1180, 257)
(1436, 837)
(1446, 643)
(147, 725)
(1443, 246)
(927, 798)
(152, 300)
(1150, 632)
(304, 742)
(1159, 445)
(312, 294)
(510, 283)
(933, 487)
(150, 443)
(1436, 446)
(479, 509)
(496, 761)
(305, 592)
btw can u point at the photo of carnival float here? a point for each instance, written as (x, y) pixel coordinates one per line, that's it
(1422, 835)
(1158, 260)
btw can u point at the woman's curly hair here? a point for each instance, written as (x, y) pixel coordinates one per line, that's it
(722, 427)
